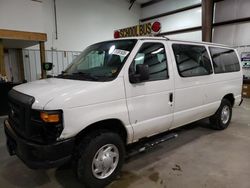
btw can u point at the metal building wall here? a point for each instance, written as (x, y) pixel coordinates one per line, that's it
(178, 21)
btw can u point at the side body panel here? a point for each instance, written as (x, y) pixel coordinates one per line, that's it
(199, 97)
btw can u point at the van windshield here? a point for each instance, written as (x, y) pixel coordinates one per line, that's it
(100, 62)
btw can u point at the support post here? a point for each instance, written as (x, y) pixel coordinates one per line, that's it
(2, 66)
(42, 58)
(19, 56)
(207, 20)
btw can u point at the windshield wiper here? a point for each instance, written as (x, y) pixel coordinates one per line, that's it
(87, 75)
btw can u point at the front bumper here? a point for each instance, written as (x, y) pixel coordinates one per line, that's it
(36, 155)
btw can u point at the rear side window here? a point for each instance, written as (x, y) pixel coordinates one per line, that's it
(192, 60)
(224, 60)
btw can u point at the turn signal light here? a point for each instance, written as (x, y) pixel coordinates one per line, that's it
(50, 118)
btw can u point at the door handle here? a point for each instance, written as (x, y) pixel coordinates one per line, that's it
(171, 97)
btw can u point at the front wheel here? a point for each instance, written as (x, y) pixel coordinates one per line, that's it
(101, 157)
(221, 119)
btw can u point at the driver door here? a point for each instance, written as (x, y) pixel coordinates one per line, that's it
(150, 103)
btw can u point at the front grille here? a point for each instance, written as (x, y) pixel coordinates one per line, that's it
(19, 112)
(27, 123)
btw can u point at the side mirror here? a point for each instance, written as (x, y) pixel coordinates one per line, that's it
(142, 74)
(47, 66)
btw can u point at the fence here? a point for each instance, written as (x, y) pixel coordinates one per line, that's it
(32, 65)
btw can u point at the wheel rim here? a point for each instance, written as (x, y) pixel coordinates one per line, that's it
(225, 114)
(105, 161)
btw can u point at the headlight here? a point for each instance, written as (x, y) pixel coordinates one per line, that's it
(47, 125)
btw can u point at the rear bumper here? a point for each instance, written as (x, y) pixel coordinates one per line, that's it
(35, 155)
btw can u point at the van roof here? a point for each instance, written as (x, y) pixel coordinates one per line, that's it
(168, 39)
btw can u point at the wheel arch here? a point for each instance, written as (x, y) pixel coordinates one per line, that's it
(230, 98)
(113, 125)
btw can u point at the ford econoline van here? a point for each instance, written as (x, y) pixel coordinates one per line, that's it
(116, 93)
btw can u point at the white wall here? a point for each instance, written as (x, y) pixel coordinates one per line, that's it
(182, 20)
(80, 22)
(21, 15)
(236, 34)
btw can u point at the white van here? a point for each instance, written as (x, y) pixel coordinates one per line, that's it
(116, 93)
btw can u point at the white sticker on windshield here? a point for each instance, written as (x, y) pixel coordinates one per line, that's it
(123, 53)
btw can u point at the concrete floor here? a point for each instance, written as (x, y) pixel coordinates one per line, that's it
(199, 157)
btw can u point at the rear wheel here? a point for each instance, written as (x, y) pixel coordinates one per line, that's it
(101, 157)
(221, 119)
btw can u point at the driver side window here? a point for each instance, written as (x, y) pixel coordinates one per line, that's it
(154, 56)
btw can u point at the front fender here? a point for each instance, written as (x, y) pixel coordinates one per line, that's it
(77, 119)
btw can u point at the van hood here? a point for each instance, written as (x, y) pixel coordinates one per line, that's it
(46, 90)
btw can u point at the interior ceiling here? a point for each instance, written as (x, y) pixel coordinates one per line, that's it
(9, 43)
(142, 1)
(138, 1)
(39, 1)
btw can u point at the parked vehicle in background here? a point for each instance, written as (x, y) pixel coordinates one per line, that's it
(117, 93)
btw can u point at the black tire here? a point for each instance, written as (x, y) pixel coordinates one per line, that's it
(216, 120)
(88, 149)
